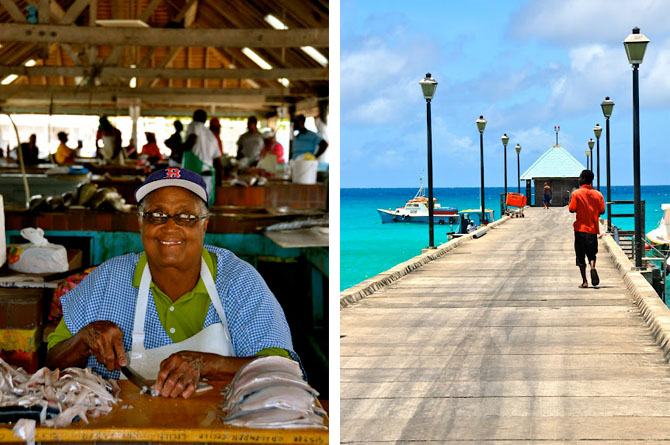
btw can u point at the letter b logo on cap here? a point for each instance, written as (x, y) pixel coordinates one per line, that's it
(172, 173)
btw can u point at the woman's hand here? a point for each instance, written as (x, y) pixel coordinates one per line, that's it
(179, 374)
(105, 342)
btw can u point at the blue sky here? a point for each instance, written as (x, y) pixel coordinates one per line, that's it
(526, 66)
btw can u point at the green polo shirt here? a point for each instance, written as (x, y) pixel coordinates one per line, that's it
(181, 319)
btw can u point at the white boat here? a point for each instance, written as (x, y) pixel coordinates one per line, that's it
(660, 236)
(416, 211)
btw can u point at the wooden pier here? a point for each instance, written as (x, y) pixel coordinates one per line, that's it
(495, 342)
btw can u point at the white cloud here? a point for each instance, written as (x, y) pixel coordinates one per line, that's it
(532, 140)
(655, 87)
(579, 21)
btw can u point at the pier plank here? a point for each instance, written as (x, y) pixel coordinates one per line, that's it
(494, 342)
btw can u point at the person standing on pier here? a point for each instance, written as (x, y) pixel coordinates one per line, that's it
(547, 196)
(588, 204)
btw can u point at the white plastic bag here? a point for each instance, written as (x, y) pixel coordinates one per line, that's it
(38, 256)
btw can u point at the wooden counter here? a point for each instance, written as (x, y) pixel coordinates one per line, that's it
(140, 417)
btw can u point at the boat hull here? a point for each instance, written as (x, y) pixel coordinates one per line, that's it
(439, 217)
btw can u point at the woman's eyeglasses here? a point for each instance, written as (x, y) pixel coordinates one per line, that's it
(181, 219)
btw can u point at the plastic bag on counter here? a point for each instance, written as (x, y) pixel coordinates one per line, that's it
(38, 256)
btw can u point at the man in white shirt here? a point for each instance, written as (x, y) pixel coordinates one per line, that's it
(201, 152)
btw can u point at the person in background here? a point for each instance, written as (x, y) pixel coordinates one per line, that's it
(175, 144)
(306, 141)
(30, 151)
(111, 148)
(151, 148)
(215, 128)
(201, 152)
(272, 146)
(588, 204)
(207, 311)
(65, 154)
(250, 144)
(546, 200)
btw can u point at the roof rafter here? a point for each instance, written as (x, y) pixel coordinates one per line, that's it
(236, 38)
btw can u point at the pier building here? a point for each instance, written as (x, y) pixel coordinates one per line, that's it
(559, 169)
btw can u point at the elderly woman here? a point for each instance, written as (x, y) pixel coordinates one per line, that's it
(177, 312)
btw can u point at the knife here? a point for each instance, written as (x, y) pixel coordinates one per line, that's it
(137, 379)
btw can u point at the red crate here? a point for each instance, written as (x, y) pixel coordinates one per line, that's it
(516, 200)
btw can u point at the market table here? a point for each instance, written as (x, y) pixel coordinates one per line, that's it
(140, 417)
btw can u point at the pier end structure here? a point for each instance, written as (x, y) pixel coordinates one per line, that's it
(560, 170)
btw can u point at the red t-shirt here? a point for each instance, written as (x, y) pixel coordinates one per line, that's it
(152, 150)
(589, 205)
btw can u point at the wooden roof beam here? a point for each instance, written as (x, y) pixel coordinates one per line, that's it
(14, 11)
(169, 73)
(64, 93)
(146, 14)
(237, 38)
(74, 12)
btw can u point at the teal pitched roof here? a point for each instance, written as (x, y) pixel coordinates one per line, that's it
(554, 163)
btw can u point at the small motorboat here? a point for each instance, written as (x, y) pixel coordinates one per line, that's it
(416, 211)
(660, 236)
(659, 239)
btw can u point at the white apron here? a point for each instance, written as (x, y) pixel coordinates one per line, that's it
(214, 339)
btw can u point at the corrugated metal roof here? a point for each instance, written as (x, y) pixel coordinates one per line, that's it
(554, 163)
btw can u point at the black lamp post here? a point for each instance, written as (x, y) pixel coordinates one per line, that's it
(635, 45)
(518, 169)
(597, 130)
(428, 86)
(590, 153)
(505, 140)
(607, 105)
(481, 124)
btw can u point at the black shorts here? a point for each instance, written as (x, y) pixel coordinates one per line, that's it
(585, 244)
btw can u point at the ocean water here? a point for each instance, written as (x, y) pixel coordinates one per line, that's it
(368, 247)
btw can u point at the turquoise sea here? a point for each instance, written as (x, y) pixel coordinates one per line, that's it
(368, 247)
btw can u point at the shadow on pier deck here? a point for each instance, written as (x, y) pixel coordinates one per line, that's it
(494, 341)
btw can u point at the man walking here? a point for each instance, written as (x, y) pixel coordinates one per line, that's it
(588, 204)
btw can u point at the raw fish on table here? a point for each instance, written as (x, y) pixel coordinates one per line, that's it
(61, 395)
(269, 392)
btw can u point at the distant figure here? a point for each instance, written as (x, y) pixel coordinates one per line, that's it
(589, 205)
(306, 141)
(30, 151)
(151, 149)
(65, 154)
(111, 149)
(201, 152)
(547, 196)
(130, 150)
(272, 146)
(175, 143)
(250, 144)
(215, 128)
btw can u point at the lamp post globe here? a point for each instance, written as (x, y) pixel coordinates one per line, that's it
(428, 87)
(597, 130)
(591, 144)
(518, 169)
(608, 106)
(481, 125)
(636, 45)
(505, 140)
